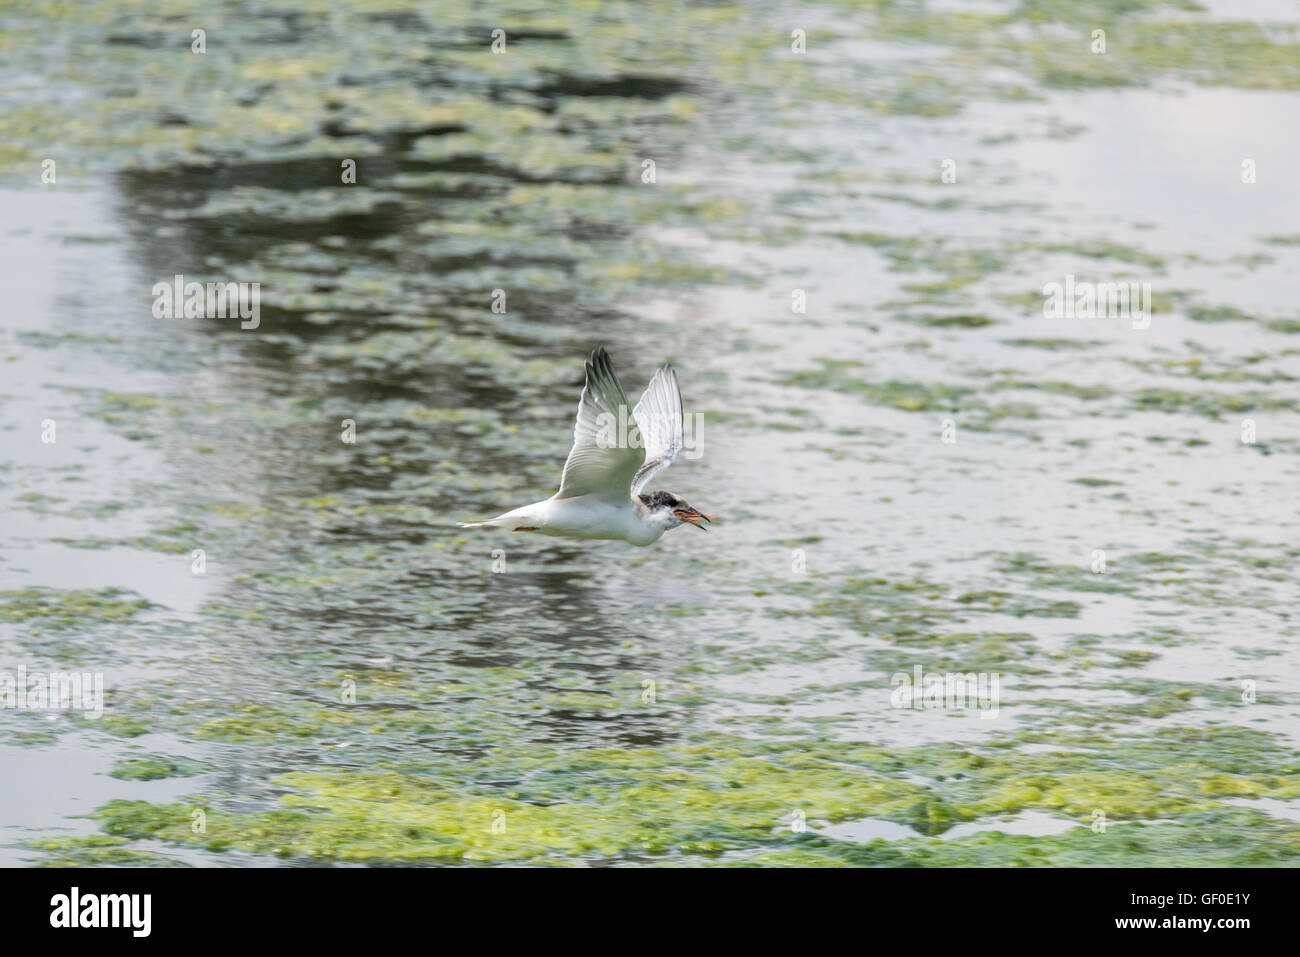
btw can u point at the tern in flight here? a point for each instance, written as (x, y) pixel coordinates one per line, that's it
(601, 490)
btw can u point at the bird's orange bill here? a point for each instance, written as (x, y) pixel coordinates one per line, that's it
(688, 515)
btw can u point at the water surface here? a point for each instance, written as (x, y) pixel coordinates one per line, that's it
(716, 699)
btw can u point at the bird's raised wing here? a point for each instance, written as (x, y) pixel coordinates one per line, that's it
(602, 462)
(659, 417)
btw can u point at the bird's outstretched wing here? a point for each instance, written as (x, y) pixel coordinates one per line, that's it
(659, 417)
(602, 462)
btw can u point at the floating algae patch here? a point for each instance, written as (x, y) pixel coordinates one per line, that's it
(562, 102)
(1046, 575)
(601, 804)
(733, 795)
(956, 322)
(974, 401)
(1129, 777)
(962, 653)
(1134, 699)
(96, 850)
(574, 76)
(836, 375)
(962, 264)
(155, 767)
(1071, 389)
(919, 614)
(1206, 369)
(69, 608)
(1221, 838)
(152, 543)
(1143, 49)
(1211, 405)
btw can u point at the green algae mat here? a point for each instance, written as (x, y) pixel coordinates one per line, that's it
(839, 221)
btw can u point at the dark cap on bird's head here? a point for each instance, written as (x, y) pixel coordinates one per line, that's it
(676, 505)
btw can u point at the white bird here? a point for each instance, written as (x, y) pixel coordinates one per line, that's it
(600, 492)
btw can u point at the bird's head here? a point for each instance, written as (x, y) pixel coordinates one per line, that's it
(671, 510)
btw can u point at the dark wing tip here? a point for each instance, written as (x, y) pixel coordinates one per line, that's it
(604, 367)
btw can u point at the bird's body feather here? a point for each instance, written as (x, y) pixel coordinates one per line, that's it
(586, 516)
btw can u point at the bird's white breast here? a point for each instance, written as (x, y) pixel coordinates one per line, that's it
(591, 517)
